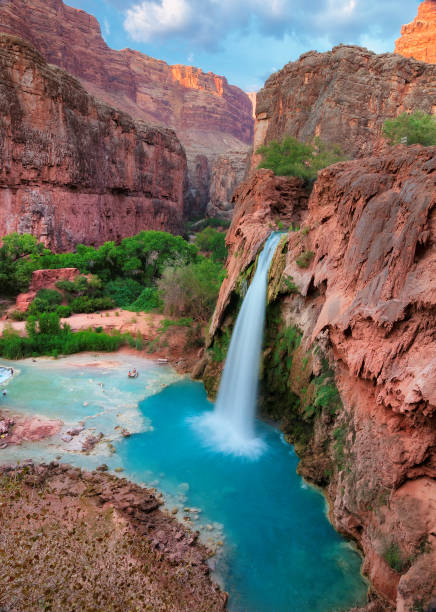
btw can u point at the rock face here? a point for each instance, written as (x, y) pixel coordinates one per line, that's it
(342, 96)
(228, 171)
(210, 116)
(73, 169)
(418, 39)
(358, 283)
(261, 202)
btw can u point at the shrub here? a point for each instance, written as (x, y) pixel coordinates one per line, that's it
(191, 290)
(123, 291)
(213, 242)
(17, 315)
(417, 128)
(303, 261)
(148, 300)
(86, 304)
(294, 158)
(392, 556)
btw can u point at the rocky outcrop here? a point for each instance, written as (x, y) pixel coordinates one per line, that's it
(74, 170)
(228, 171)
(343, 97)
(418, 39)
(44, 279)
(263, 203)
(350, 367)
(141, 556)
(210, 116)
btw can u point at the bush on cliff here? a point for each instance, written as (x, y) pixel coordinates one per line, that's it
(294, 158)
(416, 128)
(17, 255)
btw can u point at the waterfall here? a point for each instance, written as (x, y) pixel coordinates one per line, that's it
(231, 425)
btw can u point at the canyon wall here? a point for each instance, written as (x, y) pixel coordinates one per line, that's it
(228, 172)
(74, 170)
(418, 39)
(342, 96)
(209, 116)
(349, 366)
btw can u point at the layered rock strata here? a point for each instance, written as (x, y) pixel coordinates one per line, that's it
(349, 364)
(228, 172)
(74, 170)
(210, 116)
(343, 97)
(418, 39)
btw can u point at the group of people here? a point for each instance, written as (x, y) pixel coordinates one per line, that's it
(132, 373)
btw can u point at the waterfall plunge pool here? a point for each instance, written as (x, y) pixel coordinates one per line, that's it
(277, 552)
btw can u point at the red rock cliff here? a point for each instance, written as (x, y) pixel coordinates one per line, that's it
(73, 169)
(209, 115)
(418, 39)
(343, 96)
(367, 301)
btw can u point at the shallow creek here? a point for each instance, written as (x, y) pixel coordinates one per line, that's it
(276, 550)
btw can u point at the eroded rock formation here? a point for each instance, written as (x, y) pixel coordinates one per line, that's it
(44, 279)
(228, 172)
(74, 170)
(355, 288)
(342, 96)
(210, 116)
(418, 38)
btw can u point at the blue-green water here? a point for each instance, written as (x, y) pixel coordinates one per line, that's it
(277, 552)
(280, 551)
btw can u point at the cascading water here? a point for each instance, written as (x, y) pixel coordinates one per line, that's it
(231, 425)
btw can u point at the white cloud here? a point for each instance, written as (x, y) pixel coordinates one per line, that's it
(106, 27)
(207, 23)
(149, 20)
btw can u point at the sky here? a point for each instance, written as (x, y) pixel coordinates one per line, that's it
(247, 40)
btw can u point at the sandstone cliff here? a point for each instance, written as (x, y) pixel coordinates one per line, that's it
(343, 96)
(349, 364)
(209, 116)
(73, 169)
(228, 172)
(418, 39)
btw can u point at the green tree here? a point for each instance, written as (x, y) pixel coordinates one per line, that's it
(294, 158)
(417, 127)
(209, 240)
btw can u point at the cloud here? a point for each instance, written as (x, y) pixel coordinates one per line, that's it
(149, 20)
(106, 27)
(207, 23)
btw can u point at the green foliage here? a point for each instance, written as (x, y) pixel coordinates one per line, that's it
(220, 346)
(288, 285)
(417, 127)
(87, 304)
(192, 289)
(148, 300)
(393, 557)
(303, 261)
(123, 291)
(16, 262)
(294, 158)
(213, 242)
(47, 337)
